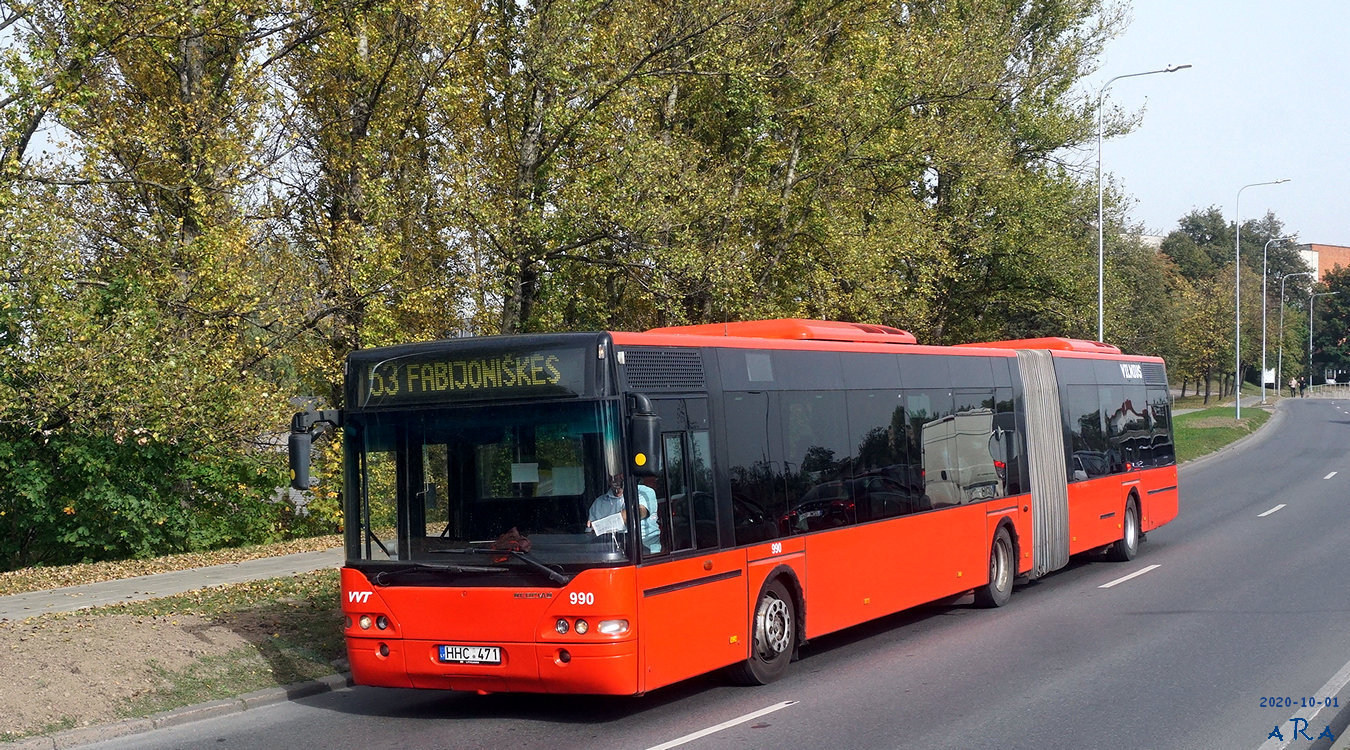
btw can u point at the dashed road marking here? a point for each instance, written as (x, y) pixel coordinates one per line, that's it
(1123, 579)
(724, 725)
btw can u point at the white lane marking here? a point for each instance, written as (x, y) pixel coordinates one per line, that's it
(1123, 579)
(1332, 474)
(1272, 510)
(724, 725)
(1334, 686)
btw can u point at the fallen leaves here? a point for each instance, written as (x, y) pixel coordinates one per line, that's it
(42, 578)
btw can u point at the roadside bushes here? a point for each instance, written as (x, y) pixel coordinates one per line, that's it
(74, 496)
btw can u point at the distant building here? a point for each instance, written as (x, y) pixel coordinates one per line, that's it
(1323, 258)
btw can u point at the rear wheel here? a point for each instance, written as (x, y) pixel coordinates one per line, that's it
(773, 638)
(998, 591)
(1125, 548)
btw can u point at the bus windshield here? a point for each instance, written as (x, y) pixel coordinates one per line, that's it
(487, 489)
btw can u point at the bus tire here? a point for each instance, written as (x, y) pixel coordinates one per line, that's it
(773, 637)
(1125, 548)
(1002, 570)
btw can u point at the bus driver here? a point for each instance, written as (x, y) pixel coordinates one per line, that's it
(611, 503)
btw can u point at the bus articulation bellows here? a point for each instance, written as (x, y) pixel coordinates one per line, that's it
(613, 512)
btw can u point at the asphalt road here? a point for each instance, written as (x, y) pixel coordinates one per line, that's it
(1231, 605)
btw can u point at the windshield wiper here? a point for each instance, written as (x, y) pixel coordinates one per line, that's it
(533, 562)
(384, 577)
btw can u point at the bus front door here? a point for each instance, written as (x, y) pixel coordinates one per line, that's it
(693, 595)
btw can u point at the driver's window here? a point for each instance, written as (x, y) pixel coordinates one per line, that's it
(705, 510)
(673, 497)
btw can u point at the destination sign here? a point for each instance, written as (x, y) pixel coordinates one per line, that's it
(449, 376)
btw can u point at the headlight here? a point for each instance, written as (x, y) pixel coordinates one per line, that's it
(560, 626)
(364, 622)
(382, 622)
(582, 627)
(613, 627)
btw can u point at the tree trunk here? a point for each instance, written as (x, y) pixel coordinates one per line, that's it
(523, 285)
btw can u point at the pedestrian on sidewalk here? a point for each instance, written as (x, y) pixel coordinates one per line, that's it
(1293, 387)
(1302, 386)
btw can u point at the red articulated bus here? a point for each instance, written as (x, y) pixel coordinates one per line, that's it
(610, 513)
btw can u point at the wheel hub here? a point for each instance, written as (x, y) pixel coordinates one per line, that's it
(774, 632)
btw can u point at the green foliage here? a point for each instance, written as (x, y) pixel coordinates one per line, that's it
(1331, 329)
(238, 194)
(1203, 248)
(78, 496)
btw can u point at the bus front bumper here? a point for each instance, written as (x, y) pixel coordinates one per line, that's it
(594, 668)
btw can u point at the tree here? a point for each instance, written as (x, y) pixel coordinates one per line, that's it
(368, 92)
(250, 191)
(1198, 243)
(1331, 330)
(1146, 297)
(136, 324)
(1205, 339)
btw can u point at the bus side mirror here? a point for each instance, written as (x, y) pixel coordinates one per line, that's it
(299, 445)
(644, 438)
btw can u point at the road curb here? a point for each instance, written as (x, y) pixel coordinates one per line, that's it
(72, 738)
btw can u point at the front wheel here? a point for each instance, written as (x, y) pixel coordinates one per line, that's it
(998, 591)
(1125, 548)
(774, 638)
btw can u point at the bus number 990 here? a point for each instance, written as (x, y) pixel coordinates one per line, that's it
(581, 597)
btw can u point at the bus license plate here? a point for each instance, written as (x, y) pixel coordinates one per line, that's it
(471, 654)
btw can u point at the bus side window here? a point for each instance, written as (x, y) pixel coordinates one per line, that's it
(1088, 457)
(815, 444)
(757, 502)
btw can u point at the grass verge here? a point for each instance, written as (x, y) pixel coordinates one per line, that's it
(293, 626)
(1202, 432)
(161, 654)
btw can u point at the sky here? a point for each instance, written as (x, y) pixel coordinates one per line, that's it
(1268, 98)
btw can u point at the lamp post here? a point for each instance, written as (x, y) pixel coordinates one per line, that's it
(1311, 298)
(1264, 304)
(1101, 236)
(1279, 361)
(1237, 295)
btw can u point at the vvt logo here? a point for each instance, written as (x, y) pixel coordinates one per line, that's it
(359, 597)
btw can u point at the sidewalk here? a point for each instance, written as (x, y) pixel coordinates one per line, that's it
(18, 607)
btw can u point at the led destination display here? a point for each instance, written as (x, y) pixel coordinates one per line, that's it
(463, 376)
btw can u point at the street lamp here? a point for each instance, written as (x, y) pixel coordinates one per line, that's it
(1101, 238)
(1279, 361)
(1264, 304)
(1312, 297)
(1237, 295)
